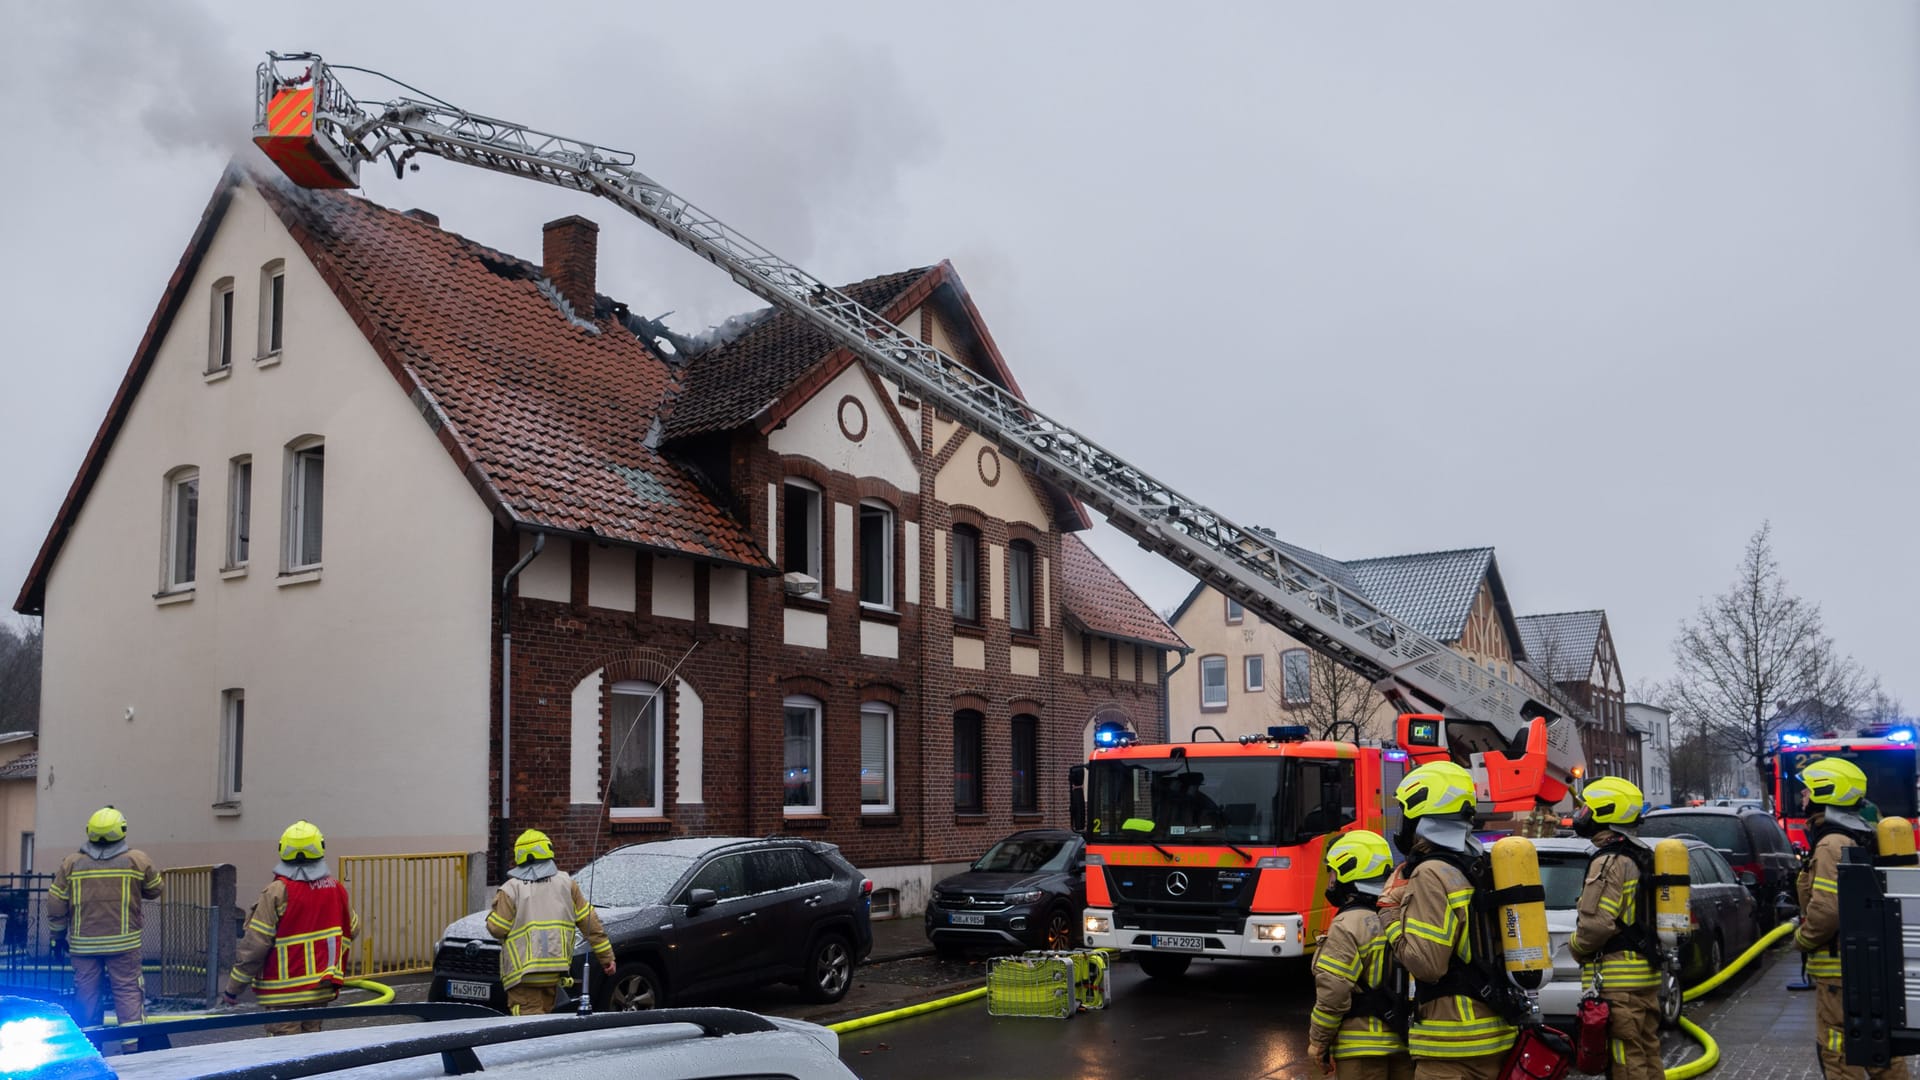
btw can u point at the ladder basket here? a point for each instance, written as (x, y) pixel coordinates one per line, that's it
(1048, 984)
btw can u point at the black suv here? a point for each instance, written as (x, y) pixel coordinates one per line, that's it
(1750, 839)
(1027, 890)
(694, 916)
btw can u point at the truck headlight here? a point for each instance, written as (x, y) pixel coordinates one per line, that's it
(1270, 932)
(1098, 924)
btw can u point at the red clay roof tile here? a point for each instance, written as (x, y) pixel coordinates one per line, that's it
(1096, 597)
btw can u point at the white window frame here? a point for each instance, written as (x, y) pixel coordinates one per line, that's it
(239, 511)
(642, 690)
(819, 788)
(1206, 662)
(1286, 695)
(1017, 581)
(270, 273)
(886, 601)
(171, 541)
(885, 712)
(1253, 671)
(974, 592)
(815, 530)
(220, 327)
(233, 744)
(1236, 612)
(293, 531)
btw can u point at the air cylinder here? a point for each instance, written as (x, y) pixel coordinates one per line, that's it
(1524, 944)
(1895, 841)
(1672, 916)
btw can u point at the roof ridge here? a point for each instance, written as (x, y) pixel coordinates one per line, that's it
(1488, 548)
(1558, 614)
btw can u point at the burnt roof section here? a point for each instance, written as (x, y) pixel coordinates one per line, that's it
(1095, 597)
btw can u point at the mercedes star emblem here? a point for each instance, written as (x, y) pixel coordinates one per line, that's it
(1177, 883)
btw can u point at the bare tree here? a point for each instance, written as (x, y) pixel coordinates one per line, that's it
(20, 675)
(1754, 650)
(1336, 702)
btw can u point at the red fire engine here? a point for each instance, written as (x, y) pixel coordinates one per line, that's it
(1892, 765)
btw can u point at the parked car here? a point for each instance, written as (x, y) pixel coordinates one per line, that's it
(1751, 840)
(1027, 891)
(1723, 919)
(695, 916)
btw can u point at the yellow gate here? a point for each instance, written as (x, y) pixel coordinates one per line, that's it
(404, 902)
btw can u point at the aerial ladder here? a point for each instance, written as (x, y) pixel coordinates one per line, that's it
(1520, 750)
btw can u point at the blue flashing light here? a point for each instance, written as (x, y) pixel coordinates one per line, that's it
(1794, 738)
(1287, 732)
(1902, 735)
(1111, 734)
(40, 1040)
(1394, 755)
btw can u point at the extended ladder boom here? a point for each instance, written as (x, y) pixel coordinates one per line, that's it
(320, 135)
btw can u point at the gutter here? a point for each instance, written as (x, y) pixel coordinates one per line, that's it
(506, 675)
(1166, 695)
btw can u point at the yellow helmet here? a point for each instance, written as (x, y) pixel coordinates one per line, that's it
(107, 826)
(1613, 801)
(302, 842)
(532, 845)
(1440, 787)
(1359, 855)
(1834, 781)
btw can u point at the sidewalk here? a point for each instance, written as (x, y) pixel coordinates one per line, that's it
(1765, 1031)
(899, 939)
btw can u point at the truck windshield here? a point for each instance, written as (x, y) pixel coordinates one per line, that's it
(1185, 801)
(1890, 778)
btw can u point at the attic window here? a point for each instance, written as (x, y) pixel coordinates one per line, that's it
(220, 328)
(273, 300)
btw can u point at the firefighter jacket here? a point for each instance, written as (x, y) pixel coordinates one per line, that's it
(97, 901)
(1819, 892)
(1349, 969)
(295, 950)
(1610, 905)
(1431, 937)
(535, 921)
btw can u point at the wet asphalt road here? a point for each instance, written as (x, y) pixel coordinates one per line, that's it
(1225, 1021)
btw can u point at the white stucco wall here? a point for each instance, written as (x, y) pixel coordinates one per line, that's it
(818, 430)
(366, 691)
(1009, 498)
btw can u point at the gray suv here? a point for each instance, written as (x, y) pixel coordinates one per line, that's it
(696, 916)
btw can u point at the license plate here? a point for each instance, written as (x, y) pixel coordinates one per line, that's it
(1182, 942)
(470, 991)
(961, 918)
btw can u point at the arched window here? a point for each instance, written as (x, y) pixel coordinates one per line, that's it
(801, 763)
(637, 738)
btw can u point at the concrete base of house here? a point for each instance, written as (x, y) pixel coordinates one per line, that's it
(909, 886)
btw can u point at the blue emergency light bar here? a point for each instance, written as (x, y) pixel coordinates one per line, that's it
(1113, 735)
(39, 1041)
(1794, 738)
(1900, 735)
(1287, 733)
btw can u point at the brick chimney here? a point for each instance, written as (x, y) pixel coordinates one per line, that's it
(568, 253)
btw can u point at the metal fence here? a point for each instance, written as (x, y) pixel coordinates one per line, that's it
(404, 901)
(180, 943)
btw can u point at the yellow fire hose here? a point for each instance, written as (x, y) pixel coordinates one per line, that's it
(924, 1007)
(1710, 1050)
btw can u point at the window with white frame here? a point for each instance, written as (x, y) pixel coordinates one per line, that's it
(1256, 673)
(1020, 586)
(801, 760)
(876, 758)
(800, 533)
(1213, 682)
(966, 574)
(1235, 613)
(233, 743)
(876, 554)
(306, 499)
(182, 529)
(239, 510)
(273, 303)
(1296, 673)
(637, 738)
(220, 327)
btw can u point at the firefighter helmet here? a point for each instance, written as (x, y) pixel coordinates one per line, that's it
(1437, 788)
(1359, 856)
(1834, 781)
(1613, 801)
(302, 842)
(107, 826)
(533, 845)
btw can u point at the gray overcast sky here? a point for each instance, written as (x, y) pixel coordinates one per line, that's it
(1603, 286)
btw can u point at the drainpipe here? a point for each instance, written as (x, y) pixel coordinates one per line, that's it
(1166, 696)
(506, 676)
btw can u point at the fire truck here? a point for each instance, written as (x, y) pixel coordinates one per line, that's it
(1891, 762)
(1251, 816)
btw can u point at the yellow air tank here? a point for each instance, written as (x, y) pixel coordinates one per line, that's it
(1895, 841)
(1672, 894)
(1523, 911)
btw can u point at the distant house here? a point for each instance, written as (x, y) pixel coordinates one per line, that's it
(19, 769)
(752, 587)
(1573, 652)
(1655, 726)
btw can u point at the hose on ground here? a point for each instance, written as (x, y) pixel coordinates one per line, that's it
(859, 1022)
(1709, 1049)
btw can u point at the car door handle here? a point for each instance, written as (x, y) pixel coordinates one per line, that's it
(812, 900)
(749, 916)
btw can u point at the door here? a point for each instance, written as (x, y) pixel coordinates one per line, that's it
(716, 944)
(793, 893)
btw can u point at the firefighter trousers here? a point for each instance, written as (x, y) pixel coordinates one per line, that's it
(295, 1027)
(120, 970)
(1476, 1068)
(1830, 1018)
(1633, 1034)
(1378, 1067)
(524, 999)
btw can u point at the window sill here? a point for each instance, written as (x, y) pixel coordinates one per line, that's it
(298, 577)
(271, 359)
(880, 615)
(1026, 637)
(230, 573)
(969, 629)
(963, 817)
(226, 809)
(177, 596)
(807, 821)
(640, 825)
(1027, 817)
(1213, 708)
(1255, 690)
(810, 602)
(218, 374)
(878, 820)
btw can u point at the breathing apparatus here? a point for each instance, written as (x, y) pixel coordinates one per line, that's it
(1895, 841)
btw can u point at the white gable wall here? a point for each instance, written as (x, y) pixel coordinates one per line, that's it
(815, 431)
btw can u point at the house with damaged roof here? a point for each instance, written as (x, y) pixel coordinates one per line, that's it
(428, 543)
(1573, 652)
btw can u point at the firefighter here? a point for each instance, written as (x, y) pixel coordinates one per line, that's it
(534, 915)
(93, 910)
(298, 934)
(1454, 1035)
(1836, 788)
(1353, 1031)
(1609, 934)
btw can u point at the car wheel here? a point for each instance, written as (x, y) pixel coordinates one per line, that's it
(829, 969)
(1059, 930)
(1672, 999)
(633, 987)
(1163, 965)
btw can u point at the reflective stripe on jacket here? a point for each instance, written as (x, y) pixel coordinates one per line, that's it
(295, 949)
(1431, 933)
(1819, 891)
(1609, 902)
(1352, 955)
(97, 901)
(535, 921)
